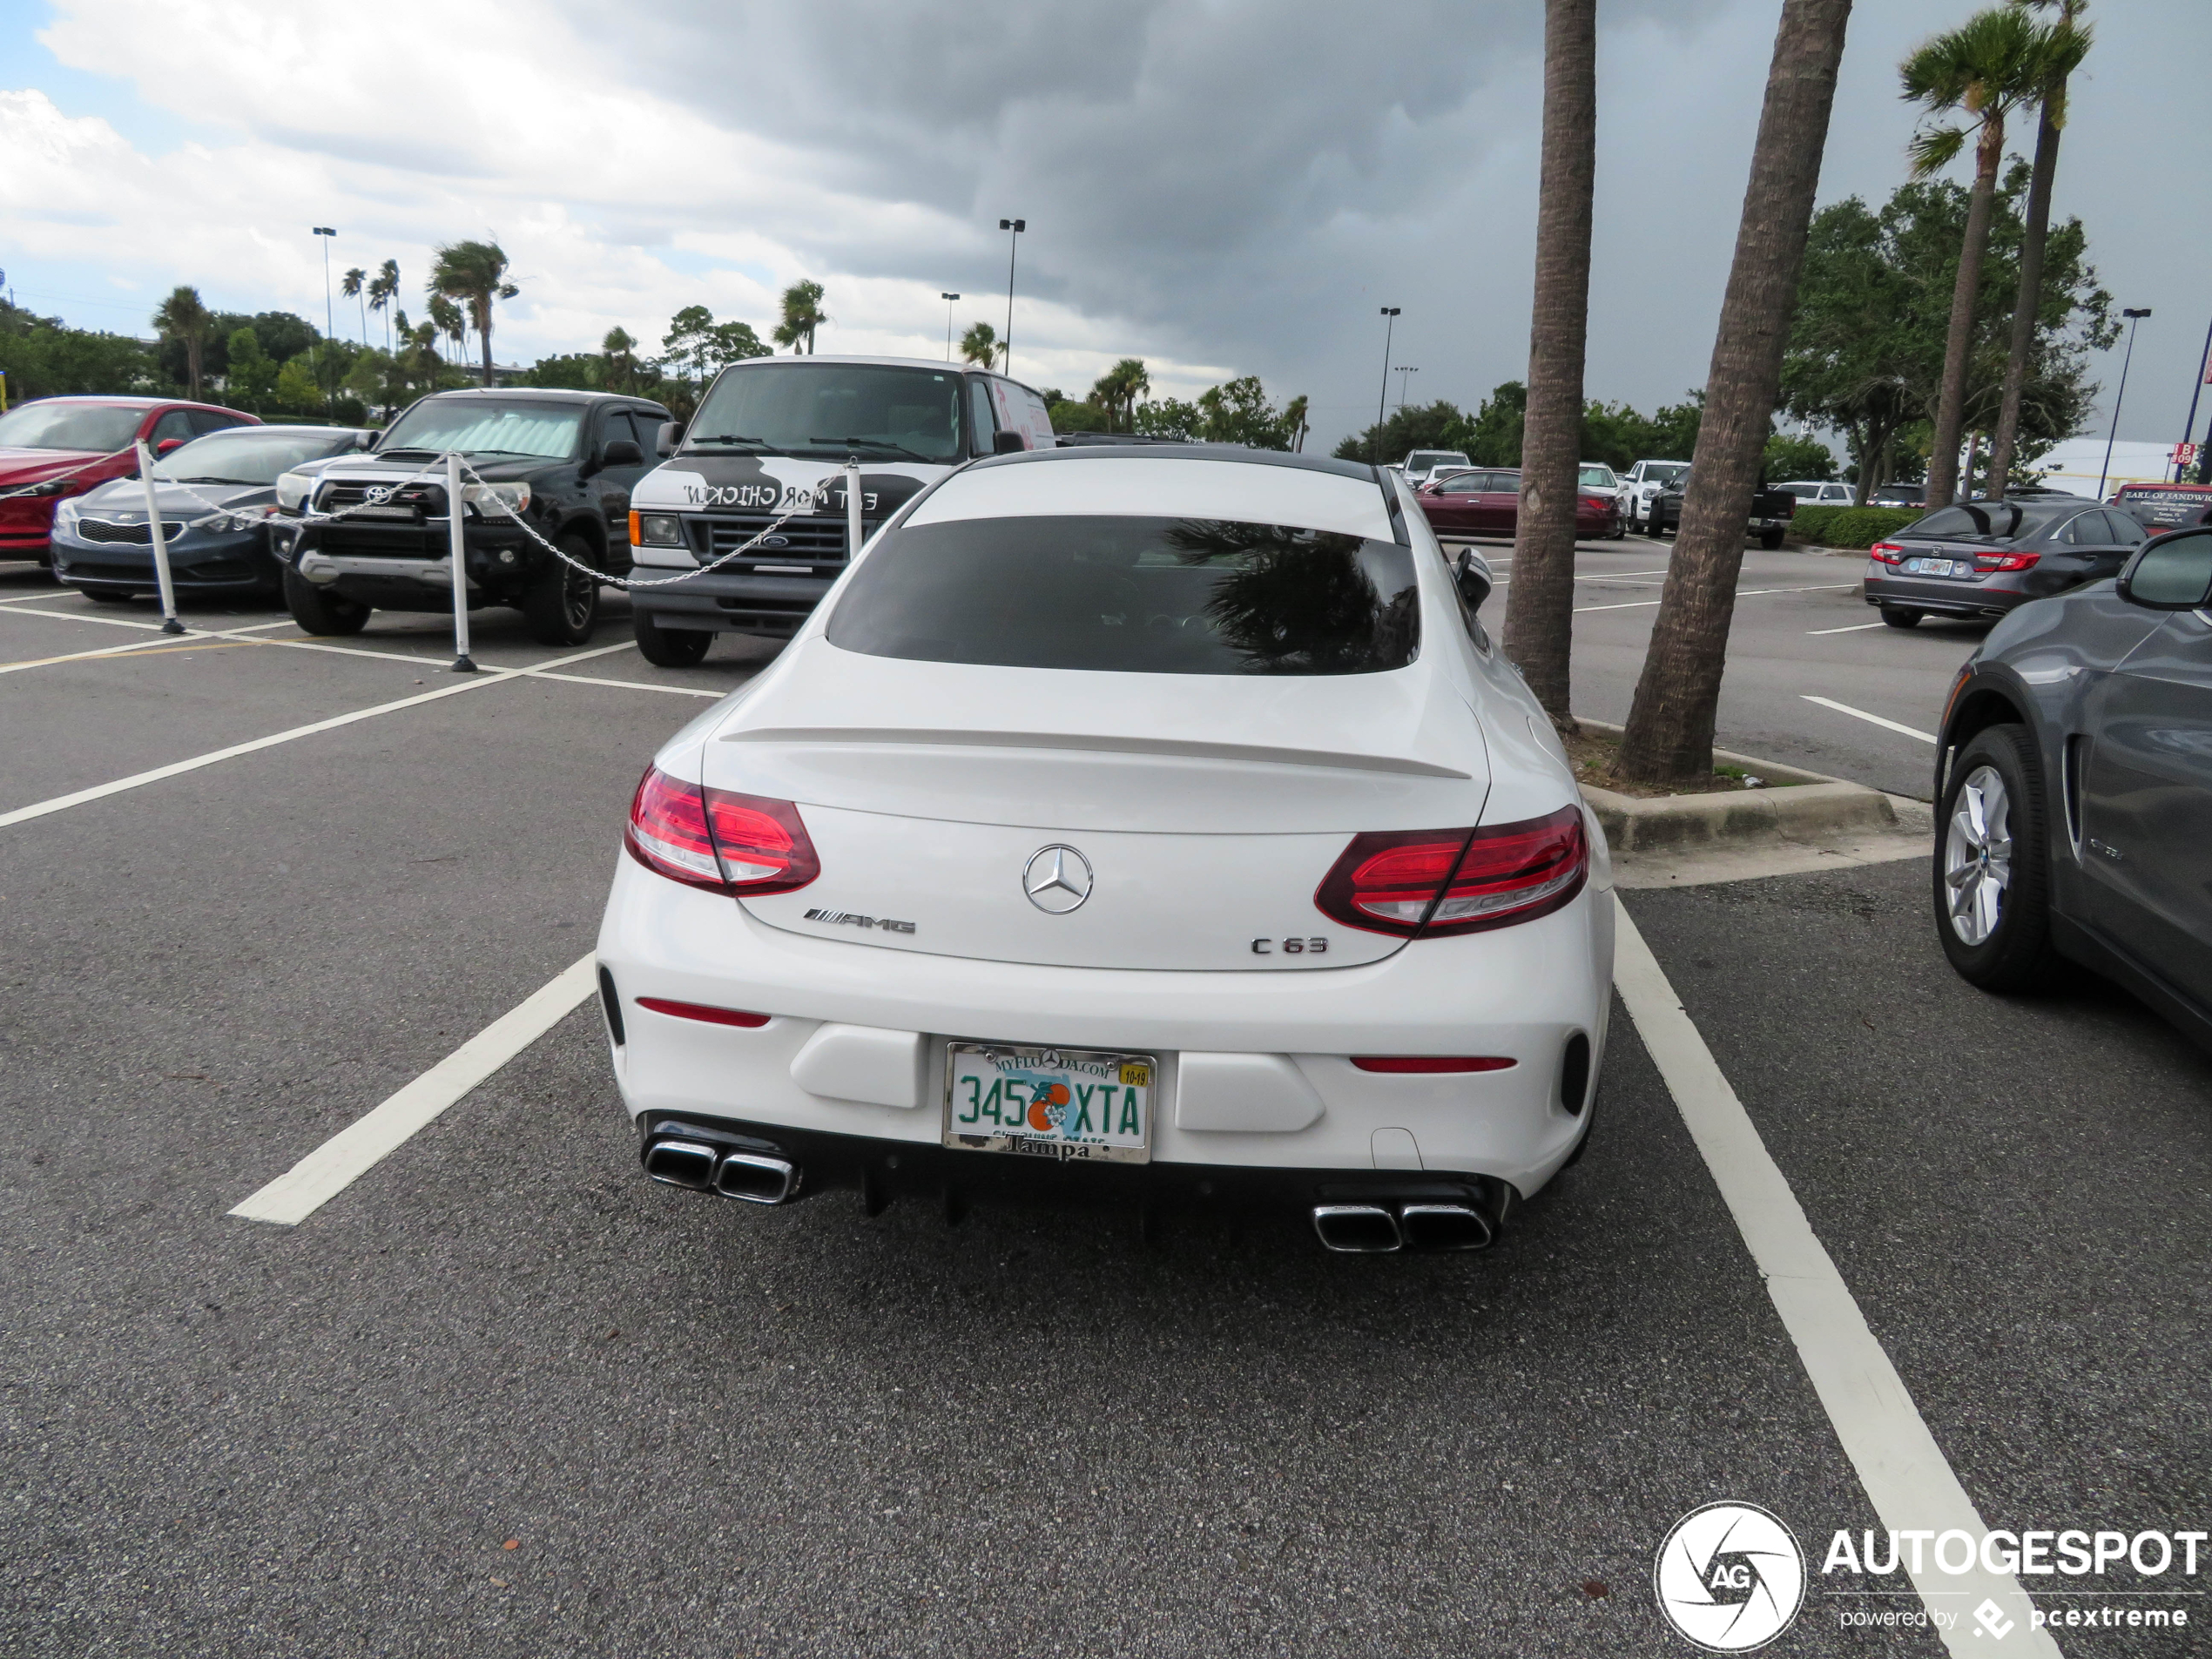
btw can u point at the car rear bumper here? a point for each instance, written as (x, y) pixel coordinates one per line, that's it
(1942, 596)
(1523, 992)
(774, 606)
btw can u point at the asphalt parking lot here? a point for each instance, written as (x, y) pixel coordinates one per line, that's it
(501, 1395)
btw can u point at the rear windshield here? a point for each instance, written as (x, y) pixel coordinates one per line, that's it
(1424, 460)
(1140, 596)
(1597, 478)
(1997, 520)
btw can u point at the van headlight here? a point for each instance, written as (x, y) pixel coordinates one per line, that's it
(293, 489)
(491, 498)
(659, 530)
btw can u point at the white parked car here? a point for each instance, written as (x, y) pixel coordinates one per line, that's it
(1165, 824)
(1643, 481)
(1817, 492)
(1421, 465)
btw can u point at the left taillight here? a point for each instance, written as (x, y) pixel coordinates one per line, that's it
(718, 839)
(1433, 883)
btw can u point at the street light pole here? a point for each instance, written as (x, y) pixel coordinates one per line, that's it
(2119, 396)
(329, 321)
(1390, 314)
(948, 299)
(1404, 368)
(1014, 227)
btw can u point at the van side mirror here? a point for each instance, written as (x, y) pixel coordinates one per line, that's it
(1008, 443)
(2170, 573)
(1471, 573)
(665, 439)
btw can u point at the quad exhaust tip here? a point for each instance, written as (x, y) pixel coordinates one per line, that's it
(700, 1166)
(1374, 1229)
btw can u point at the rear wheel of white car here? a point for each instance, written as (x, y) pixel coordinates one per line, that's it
(561, 604)
(1900, 617)
(1992, 872)
(319, 611)
(668, 647)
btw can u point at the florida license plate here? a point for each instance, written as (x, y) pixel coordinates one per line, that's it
(1071, 1105)
(1939, 567)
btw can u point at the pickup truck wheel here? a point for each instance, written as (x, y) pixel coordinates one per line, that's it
(1770, 539)
(561, 606)
(668, 647)
(1898, 617)
(1653, 526)
(320, 612)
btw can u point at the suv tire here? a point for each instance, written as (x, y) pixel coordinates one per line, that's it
(561, 606)
(669, 647)
(1900, 617)
(318, 612)
(1770, 540)
(1993, 867)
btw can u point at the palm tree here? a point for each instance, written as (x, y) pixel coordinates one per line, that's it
(802, 315)
(621, 359)
(1669, 737)
(1539, 610)
(1119, 388)
(1294, 422)
(980, 344)
(383, 288)
(2066, 45)
(351, 285)
(447, 321)
(183, 317)
(1986, 67)
(475, 274)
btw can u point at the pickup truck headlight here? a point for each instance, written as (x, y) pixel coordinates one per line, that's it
(658, 529)
(293, 489)
(497, 499)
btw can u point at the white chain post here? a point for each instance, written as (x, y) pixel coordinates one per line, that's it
(169, 623)
(852, 508)
(456, 541)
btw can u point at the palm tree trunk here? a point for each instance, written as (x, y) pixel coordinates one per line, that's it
(1539, 618)
(1958, 347)
(2033, 236)
(483, 333)
(1669, 735)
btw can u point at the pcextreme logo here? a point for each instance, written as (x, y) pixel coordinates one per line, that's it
(1729, 1577)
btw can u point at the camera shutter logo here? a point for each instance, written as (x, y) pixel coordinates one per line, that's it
(1729, 1577)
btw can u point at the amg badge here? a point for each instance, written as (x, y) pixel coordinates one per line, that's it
(884, 923)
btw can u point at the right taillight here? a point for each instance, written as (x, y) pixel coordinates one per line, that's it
(1438, 883)
(1886, 553)
(718, 839)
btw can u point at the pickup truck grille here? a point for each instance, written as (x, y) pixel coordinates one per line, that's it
(815, 540)
(411, 504)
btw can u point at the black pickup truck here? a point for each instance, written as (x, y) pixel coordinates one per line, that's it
(1771, 510)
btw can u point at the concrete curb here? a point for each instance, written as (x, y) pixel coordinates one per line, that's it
(1816, 808)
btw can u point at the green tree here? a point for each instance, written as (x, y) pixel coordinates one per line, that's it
(1119, 390)
(1984, 68)
(1170, 417)
(43, 357)
(449, 322)
(353, 285)
(383, 289)
(182, 317)
(297, 390)
(1071, 415)
(1238, 412)
(577, 371)
(980, 344)
(1789, 455)
(1294, 420)
(2068, 45)
(618, 360)
(475, 274)
(802, 308)
(252, 377)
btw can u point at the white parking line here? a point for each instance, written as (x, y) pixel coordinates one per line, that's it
(335, 1165)
(1904, 1473)
(1872, 719)
(1856, 628)
(1740, 593)
(487, 677)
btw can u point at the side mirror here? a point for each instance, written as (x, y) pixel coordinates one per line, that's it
(621, 452)
(166, 445)
(1008, 443)
(2172, 573)
(665, 439)
(365, 440)
(1471, 572)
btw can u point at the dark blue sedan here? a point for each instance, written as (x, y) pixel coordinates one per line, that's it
(2074, 786)
(216, 496)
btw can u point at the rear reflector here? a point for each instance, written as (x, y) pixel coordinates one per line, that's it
(702, 1011)
(717, 838)
(1436, 882)
(1432, 1062)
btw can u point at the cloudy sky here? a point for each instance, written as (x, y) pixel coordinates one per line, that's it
(1218, 186)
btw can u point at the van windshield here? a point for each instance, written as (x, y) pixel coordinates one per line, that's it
(828, 410)
(1142, 596)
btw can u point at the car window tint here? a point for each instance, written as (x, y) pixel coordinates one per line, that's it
(1597, 477)
(175, 424)
(979, 406)
(2126, 530)
(1134, 594)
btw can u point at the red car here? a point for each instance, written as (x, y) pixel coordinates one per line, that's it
(1486, 502)
(47, 437)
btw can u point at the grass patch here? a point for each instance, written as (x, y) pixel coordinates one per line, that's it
(1596, 753)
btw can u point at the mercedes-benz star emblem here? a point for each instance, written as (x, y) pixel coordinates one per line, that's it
(1057, 879)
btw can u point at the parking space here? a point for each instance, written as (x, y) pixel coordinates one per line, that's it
(503, 1396)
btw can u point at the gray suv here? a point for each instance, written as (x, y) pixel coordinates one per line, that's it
(2074, 787)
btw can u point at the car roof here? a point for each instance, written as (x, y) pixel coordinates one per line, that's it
(536, 395)
(1193, 481)
(127, 400)
(937, 363)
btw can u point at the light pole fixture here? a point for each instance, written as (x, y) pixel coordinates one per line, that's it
(1390, 315)
(2119, 396)
(1404, 368)
(948, 299)
(1014, 227)
(329, 320)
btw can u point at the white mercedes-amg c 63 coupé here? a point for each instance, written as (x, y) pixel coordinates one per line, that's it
(1159, 821)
